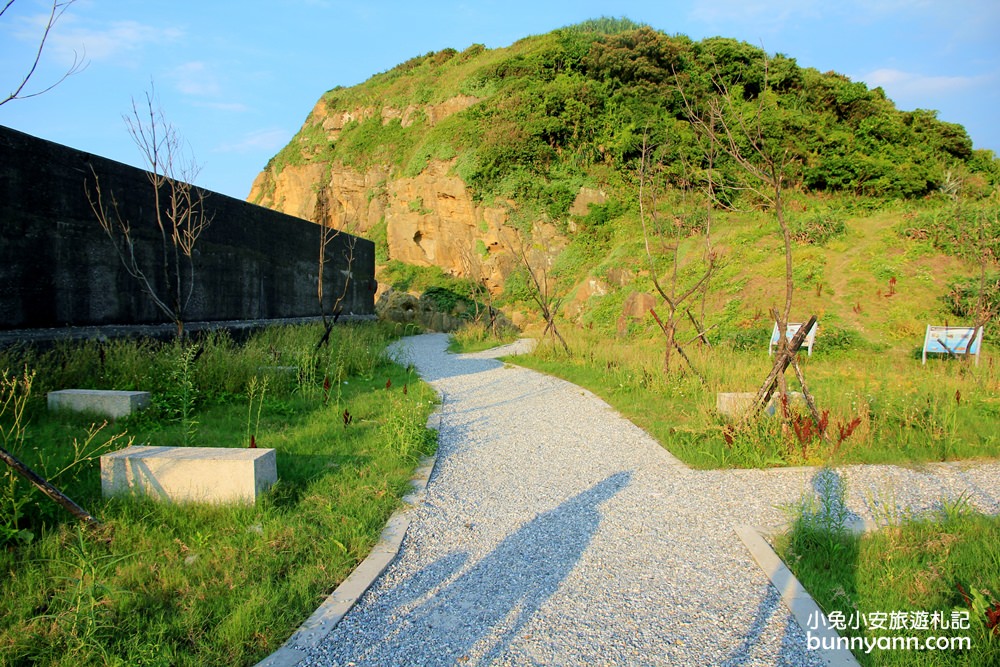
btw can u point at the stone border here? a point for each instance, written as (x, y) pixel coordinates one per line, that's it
(796, 598)
(315, 629)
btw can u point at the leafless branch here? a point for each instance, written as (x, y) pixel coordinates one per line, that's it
(548, 303)
(725, 125)
(669, 296)
(78, 62)
(328, 233)
(179, 213)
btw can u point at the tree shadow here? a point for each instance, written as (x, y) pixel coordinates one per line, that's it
(485, 607)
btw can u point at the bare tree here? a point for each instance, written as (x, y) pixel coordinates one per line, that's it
(542, 293)
(328, 232)
(742, 135)
(479, 288)
(752, 139)
(669, 287)
(19, 91)
(167, 275)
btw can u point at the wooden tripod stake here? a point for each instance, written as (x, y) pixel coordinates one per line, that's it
(785, 358)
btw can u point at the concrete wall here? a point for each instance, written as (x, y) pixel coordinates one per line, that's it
(59, 268)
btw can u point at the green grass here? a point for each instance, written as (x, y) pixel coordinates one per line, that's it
(906, 412)
(944, 563)
(477, 336)
(194, 584)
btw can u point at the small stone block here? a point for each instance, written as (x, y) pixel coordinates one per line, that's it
(734, 405)
(106, 402)
(197, 474)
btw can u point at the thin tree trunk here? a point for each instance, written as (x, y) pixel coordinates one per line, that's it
(48, 489)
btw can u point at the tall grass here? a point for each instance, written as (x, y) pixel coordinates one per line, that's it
(883, 406)
(942, 563)
(195, 584)
(478, 336)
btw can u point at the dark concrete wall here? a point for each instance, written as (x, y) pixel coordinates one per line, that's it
(59, 268)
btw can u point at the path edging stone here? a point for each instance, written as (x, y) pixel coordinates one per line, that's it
(326, 617)
(794, 596)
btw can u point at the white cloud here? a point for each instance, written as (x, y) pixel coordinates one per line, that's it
(118, 41)
(269, 139)
(195, 78)
(909, 85)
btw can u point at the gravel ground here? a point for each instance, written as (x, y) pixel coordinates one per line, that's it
(555, 532)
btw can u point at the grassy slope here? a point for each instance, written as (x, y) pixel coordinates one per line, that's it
(844, 283)
(866, 362)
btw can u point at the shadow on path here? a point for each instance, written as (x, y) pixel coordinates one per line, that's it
(429, 355)
(769, 605)
(484, 608)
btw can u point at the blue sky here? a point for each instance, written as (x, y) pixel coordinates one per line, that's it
(237, 79)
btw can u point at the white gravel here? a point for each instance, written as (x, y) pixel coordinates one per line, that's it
(555, 532)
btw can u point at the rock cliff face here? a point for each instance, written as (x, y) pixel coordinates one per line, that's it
(430, 219)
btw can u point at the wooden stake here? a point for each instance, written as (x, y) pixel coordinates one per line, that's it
(697, 327)
(809, 401)
(677, 347)
(784, 358)
(45, 487)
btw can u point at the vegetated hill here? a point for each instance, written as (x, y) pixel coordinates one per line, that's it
(450, 159)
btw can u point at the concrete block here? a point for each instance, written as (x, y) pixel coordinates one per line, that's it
(198, 474)
(106, 402)
(733, 405)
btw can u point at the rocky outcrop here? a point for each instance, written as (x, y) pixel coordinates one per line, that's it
(635, 309)
(405, 308)
(426, 312)
(430, 219)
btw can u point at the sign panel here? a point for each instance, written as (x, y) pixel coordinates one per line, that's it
(790, 330)
(952, 340)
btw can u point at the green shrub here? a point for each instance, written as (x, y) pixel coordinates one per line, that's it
(963, 231)
(748, 339)
(446, 300)
(962, 300)
(832, 338)
(817, 227)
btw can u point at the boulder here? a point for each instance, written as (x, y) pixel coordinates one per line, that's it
(395, 306)
(636, 307)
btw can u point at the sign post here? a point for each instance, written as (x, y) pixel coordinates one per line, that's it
(953, 341)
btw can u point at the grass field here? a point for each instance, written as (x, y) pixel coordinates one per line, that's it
(901, 411)
(195, 584)
(908, 580)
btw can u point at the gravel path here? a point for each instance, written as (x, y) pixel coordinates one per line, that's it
(555, 532)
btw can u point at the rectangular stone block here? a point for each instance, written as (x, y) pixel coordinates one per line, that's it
(197, 474)
(734, 405)
(105, 402)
